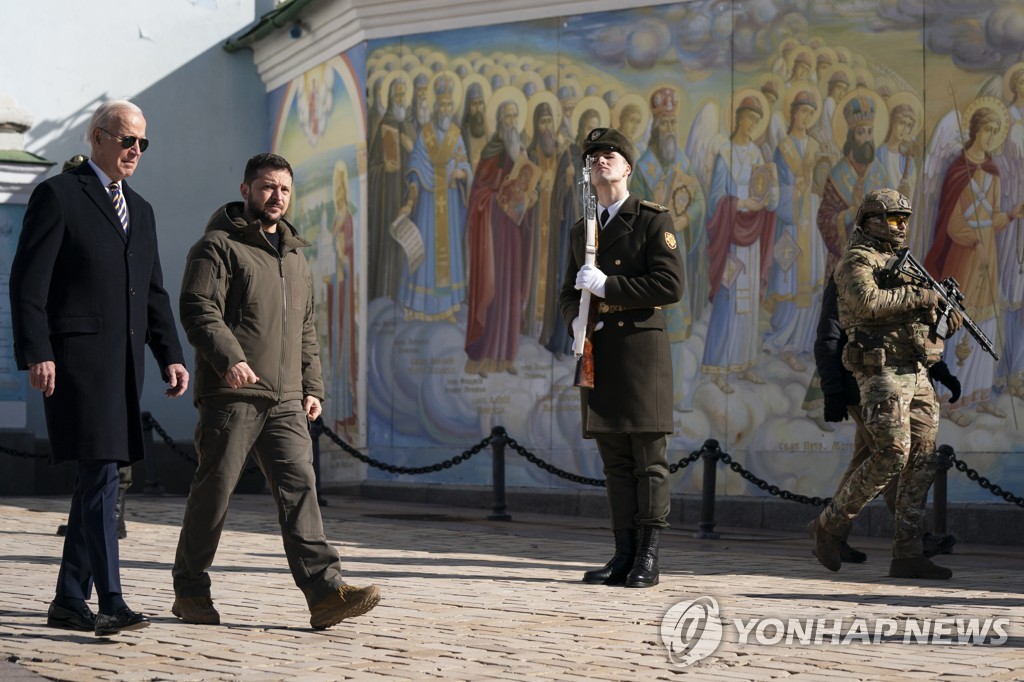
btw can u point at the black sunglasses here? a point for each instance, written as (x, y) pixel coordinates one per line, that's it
(128, 141)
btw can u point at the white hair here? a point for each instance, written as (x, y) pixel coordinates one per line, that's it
(106, 113)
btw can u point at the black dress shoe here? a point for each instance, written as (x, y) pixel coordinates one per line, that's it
(125, 619)
(70, 619)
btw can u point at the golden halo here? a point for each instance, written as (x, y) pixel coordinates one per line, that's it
(498, 70)
(509, 93)
(851, 78)
(385, 86)
(521, 78)
(790, 95)
(436, 61)
(788, 45)
(414, 74)
(539, 98)
(389, 62)
(410, 62)
(422, 51)
(1008, 78)
(827, 52)
(741, 94)
(549, 70)
(645, 114)
(988, 102)
(774, 78)
(864, 78)
(791, 61)
(914, 102)
(481, 63)
(456, 94)
(881, 122)
(485, 87)
(584, 104)
(464, 63)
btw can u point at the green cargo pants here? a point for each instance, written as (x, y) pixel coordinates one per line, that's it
(278, 436)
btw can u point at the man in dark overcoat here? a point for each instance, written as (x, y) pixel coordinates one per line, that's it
(86, 295)
(629, 411)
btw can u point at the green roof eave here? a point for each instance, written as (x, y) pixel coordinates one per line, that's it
(19, 156)
(283, 15)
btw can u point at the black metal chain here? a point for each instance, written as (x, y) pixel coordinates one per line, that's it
(772, 489)
(550, 468)
(760, 483)
(377, 464)
(150, 421)
(984, 482)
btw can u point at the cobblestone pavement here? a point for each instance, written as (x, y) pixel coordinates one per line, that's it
(465, 598)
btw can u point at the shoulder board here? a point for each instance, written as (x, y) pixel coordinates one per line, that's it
(653, 206)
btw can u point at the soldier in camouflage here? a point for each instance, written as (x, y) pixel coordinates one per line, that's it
(891, 344)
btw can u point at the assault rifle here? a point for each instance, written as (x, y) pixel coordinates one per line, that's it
(951, 298)
(587, 317)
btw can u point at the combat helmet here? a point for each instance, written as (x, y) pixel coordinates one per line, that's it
(882, 203)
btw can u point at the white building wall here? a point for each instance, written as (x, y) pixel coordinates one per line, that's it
(206, 114)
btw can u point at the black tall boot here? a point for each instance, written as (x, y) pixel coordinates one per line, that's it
(614, 572)
(645, 568)
(122, 530)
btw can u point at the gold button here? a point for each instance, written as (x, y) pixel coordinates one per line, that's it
(621, 323)
(618, 262)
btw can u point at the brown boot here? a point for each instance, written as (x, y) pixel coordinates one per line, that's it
(348, 601)
(196, 610)
(827, 547)
(918, 567)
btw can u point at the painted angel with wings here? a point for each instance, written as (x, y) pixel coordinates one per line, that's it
(742, 195)
(967, 215)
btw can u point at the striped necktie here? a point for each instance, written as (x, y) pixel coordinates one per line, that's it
(119, 207)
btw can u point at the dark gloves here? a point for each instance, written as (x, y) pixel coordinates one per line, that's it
(938, 372)
(835, 407)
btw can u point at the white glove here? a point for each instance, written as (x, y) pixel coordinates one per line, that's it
(591, 279)
(576, 320)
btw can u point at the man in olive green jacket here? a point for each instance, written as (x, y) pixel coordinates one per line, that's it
(247, 308)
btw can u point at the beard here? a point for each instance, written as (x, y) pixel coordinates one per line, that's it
(398, 112)
(864, 153)
(513, 145)
(260, 213)
(443, 121)
(474, 122)
(423, 112)
(666, 149)
(546, 141)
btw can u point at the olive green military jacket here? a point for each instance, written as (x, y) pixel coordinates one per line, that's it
(241, 300)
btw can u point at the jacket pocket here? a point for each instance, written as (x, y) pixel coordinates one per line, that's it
(298, 292)
(75, 324)
(649, 318)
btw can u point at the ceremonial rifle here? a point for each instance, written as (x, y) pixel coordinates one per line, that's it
(583, 325)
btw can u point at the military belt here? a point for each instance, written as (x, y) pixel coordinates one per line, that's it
(605, 308)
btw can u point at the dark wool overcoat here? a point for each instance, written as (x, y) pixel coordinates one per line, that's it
(88, 297)
(638, 252)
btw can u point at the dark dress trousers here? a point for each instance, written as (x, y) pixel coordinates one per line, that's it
(88, 297)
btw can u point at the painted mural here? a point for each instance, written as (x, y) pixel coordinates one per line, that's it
(465, 157)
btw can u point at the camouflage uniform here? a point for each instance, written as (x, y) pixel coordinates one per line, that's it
(891, 345)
